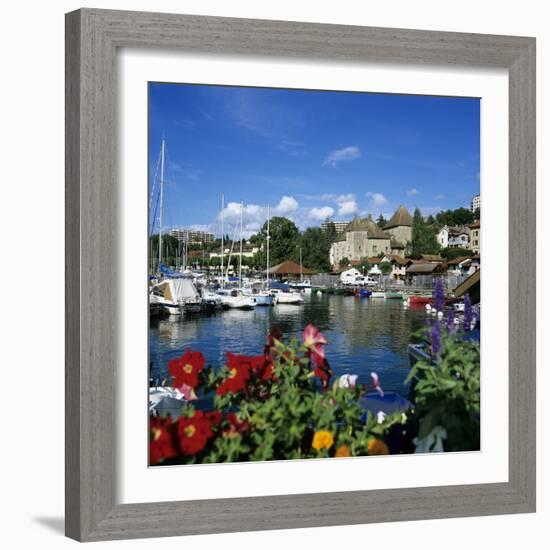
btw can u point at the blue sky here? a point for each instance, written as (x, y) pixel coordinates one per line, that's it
(309, 154)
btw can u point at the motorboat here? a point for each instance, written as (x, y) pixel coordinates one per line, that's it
(175, 295)
(301, 286)
(262, 296)
(417, 299)
(282, 296)
(234, 298)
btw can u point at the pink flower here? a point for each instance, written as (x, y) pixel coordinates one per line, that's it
(376, 384)
(314, 340)
(188, 392)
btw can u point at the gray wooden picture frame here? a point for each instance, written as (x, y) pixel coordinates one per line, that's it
(92, 39)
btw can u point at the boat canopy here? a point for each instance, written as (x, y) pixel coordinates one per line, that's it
(177, 290)
(278, 286)
(167, 272)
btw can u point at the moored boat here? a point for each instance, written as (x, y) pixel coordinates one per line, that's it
(233, 298)
(175, 295)
(391, 295)
(420, 299)
(282, 296)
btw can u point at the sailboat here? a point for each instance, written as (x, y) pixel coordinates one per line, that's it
(264, 297)
(303, 286)
(174, 292)
(233, 298)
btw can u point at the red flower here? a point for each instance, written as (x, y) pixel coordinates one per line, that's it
(251, 362)
(215, 417)
(194, 432)
(235, 426)
(240, 369)
(275, 335)
(186, 369)
(239, 374)
(322, 369)
(314, 340)
(162, 440)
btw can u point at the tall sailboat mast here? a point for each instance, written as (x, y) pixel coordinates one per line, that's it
(223, 206)
(267, 270)
(241, 250)
(300, 264)
(161, 199)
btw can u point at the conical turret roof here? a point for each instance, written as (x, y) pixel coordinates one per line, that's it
(373, 231)
(355, 225)
(401, 217)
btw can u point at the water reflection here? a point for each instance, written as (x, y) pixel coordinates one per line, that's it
(364, 335)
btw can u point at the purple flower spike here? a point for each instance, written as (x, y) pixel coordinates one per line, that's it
(468, 314)
(428, 328)
(436, 339)
(439, 295)
(450, 321)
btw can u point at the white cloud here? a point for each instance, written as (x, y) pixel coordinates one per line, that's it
(439, 197)
(347, 208)
(344, 198)
(286, 205)
(412, 192)
(342, 155)
(376, 199)
(321, 213)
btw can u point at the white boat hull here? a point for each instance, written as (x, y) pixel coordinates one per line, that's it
(238, 302)
(264, 299)
(288, 299)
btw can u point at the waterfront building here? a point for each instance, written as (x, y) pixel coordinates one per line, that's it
(475, 237)
(443, 236)
(459, 237)
(432, 258)
(192, 236)
(475, 203)
(249, 251)
(289, 270)
(363, 238)
(464, 265)
(421, 270)
(400, 226)
(338, 226)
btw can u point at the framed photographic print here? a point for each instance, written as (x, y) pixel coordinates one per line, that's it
(275, 311)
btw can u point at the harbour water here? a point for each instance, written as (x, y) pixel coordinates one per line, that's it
(364, 335)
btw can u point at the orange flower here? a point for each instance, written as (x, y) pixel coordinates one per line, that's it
(377, 447)
(322, 440)
(342, 451)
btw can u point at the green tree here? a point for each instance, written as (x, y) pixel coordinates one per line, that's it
(364, 265)
(460, 216)
(424, 237)
(385, 268)
(171, 250)
(452, 253)
(330, 231)
(283, 243)
(315, 246)
(344, 262)
(381, 221)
